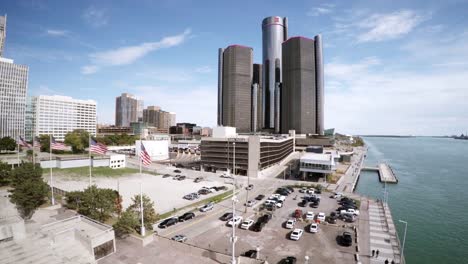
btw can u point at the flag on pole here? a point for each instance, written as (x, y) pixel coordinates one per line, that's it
(96, 147)
(57, 145)
(144, 156)
(36, 143)
(23, 142)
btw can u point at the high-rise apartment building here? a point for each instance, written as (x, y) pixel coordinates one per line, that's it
(57, 115)
(235, 87)
(274, 32)
(13, 88)
(127, 109)
(3, 20)
(155, 117)
(302, 89)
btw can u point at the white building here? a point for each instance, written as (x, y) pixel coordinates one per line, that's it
(117, 161)
(13, 88)
(317, 163)
(157, 148)
(58, 115)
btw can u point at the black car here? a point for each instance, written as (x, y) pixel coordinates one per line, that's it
(259, 197)
(315, 204)
(177, 171)
(258, 226)
(220, 188)
(346, 239)
(181, 178)
(282, 192)
(330, 219)
(179, 166)
(265, 218)
(166, 176)
(290, 189)
(251, 253)
(226, 217)
(303, 203)
(168, 222)
(288, 260)
(186, 216)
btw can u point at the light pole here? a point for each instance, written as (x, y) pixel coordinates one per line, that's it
(234, 199)
(404, 240)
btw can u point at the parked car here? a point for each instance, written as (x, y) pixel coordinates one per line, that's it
(303, 203)
(331, 220)
(176, 177)
(337, 195)
(259, 197)
(346, 239)
(236, 220)
(186, 216)
(290, 223)
(251, 253)
(198, 179)
(250, 203)
(296, 234)
(288, 260)
(191, 196)
(321, 217)
(348, 218)
(207, 207)
(313, 228)
(179, 166)
(179, 238)
(204, 191)
(291, 189)
(297, 213)
(181, 178)
(226, 216)
(265, 218)
(250, 187)
(315, 204)
(309, 215)
(258, 226)
(303, 190)
(247, 224)
(168, 222)
(166, 176)
(350, 211)
(177, 171)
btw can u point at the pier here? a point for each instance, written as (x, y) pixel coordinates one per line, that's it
(385, 172)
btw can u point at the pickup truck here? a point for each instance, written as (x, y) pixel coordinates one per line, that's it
(350, 211)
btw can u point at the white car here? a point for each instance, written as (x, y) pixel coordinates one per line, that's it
(314, 228)
(207, 207)
(338, 195)
(309, 215)
(350, 211)
(247, 224)
(235, 221)
(303, 190)
(290, 223)
(310, 191)
(277, 196)
(321, 217)
(296, 234)
(251, 203)
(279, 204)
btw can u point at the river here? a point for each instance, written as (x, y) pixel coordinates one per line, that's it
(431, 195)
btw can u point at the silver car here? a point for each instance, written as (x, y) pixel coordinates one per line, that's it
(179, 238)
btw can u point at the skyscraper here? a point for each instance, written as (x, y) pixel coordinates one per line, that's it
(3, 20)
(274, 32)
(151, 115)
(13, 88)
(127, 109)
(235, 87)
(302, 90)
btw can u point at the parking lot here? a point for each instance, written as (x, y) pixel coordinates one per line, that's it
(274, 242)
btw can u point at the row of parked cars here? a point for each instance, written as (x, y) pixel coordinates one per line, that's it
(204, 191)
(174, 220)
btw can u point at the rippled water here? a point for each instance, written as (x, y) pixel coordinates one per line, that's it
(432, 194)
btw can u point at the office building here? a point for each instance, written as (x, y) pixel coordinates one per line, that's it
(13, 88)
(302, 89)
(274, 32)
(172, 119)
(235, 87)
(257, 98)
(113, 130)
(128, 109)
(3, 20)
(253, 153)
(153, 116)
(57, 115)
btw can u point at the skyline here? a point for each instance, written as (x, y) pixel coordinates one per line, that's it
(385, 63)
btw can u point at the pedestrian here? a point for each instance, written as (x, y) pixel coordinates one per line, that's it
(386, 261)
(373, 253)
(377, 253)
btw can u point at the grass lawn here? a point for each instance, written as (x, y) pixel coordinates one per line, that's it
(97, 172)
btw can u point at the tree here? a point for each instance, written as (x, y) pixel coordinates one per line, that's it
(5, 173)
(78, 140)
(127, 223)
(45, 143)
(96, 203)
(29, 190)
(7, 143)
(149, 214)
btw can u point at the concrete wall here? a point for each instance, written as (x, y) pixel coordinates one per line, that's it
(254, 156)
(74, 163)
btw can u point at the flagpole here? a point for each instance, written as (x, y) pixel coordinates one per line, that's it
(50, 164)
(89, 152)
(142, 230)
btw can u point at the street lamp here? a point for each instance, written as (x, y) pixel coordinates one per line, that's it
(404, 240)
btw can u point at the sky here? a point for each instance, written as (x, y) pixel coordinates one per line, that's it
(391, 67)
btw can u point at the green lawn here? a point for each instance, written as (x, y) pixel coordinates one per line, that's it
(96, 172)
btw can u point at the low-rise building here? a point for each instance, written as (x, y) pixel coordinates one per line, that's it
(317, 164)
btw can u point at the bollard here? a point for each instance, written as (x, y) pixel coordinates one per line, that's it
(356, 257)
(357, 248)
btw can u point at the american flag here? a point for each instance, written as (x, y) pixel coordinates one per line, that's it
(57, 145)
(36, 143)
(144, 156)
(96, 147)
(23, 142)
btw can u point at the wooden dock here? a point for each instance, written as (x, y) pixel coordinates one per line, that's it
(385, 172)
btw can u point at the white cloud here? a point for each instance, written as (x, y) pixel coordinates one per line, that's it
(380, 27)
(95, 17)
(204, 69)
(321, 10)
(129, 54)
(56, 32)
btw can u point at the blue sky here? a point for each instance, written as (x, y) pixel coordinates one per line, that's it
(391, 67)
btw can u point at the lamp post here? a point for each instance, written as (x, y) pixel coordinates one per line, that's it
(404, 240)
(234, 200)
